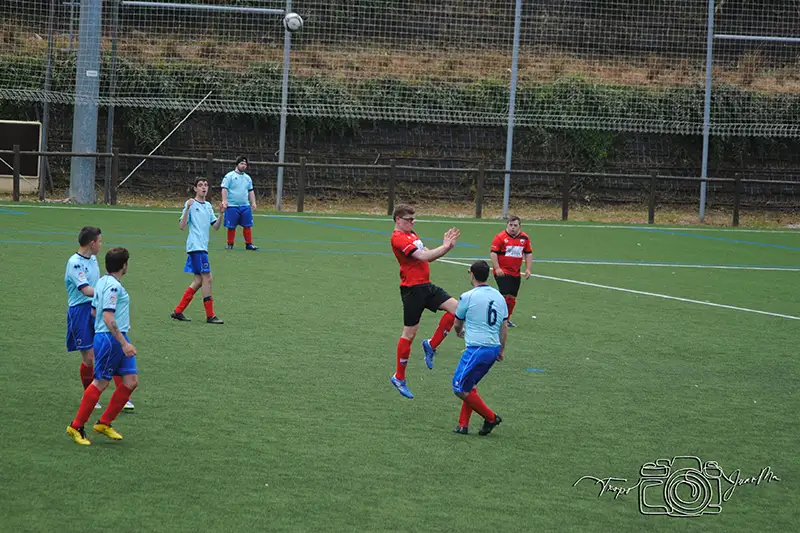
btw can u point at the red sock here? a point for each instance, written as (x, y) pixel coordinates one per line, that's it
(476, 402)
(121, 395)
(248, 235)
(86, 375)
(231, 235)
(208, 303)
(90, 397)
(510, 303)
(445, 325)
(187, 298)
(403, 351)
(466, 413)
(117, 381)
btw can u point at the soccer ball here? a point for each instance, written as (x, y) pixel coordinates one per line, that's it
(292, 22)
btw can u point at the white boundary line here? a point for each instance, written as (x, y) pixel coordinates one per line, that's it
(665, 265)
(495, 222)
(643, 293)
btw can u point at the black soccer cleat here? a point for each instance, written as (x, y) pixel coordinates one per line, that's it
(214, 320)
(461, 430)
(180, 317)
(510, 324)
(487, 426)
(229, 247)
(251, 246)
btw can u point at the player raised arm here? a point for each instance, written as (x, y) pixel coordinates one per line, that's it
(185, 216)
(448, 243)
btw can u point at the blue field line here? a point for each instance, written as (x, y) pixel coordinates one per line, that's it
(351, 228)
(720, 239)
(534, 370)
(10, 212)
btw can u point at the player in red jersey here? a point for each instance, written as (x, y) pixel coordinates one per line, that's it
(417, 291)
(508, 248)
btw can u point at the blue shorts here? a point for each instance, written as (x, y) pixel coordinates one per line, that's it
(80, 327)
(240, 215)
(475, 363)
(197, 263)
(109, 359)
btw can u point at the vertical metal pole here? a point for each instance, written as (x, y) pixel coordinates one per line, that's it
(287, 47)
(707, 107)
(112, 85)
(512, 97)
(48, 76)
(87, 90)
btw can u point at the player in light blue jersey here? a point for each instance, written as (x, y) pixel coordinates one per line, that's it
(481, 318)
(238, 203)
(198, 215)
(114, 354)
(80, 277)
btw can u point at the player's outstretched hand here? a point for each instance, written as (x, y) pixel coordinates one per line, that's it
(129, 350)
(451, 236)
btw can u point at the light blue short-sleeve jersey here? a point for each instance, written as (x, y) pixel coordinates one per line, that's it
(483, 310)
(110, 295)
(81, 272)
(201, 216)
(239, 187)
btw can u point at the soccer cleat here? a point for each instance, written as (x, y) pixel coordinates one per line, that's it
(510, 324)
(214, 320)
(430, 353)
(400, 385)
(98, 406)
(128, 406)
(251, 246)
(78, 435)
(108, 431)
(461, 430)
(487, 426)
(180, 317)
(229, 247)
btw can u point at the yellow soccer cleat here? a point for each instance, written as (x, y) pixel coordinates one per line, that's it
(108, 431)
(78, 435)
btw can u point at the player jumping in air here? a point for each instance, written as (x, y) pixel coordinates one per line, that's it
(417, 291)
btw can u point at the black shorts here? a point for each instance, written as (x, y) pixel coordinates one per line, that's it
(418, 298)
(508, 285)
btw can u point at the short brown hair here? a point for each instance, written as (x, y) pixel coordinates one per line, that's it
(402, 210)
(116, 259)
(88, 234)
(514, 218)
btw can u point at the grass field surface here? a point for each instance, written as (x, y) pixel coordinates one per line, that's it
(648, 343)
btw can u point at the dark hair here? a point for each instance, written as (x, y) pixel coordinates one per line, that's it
(515, 218)
(88, 234)
(480, 269)
(402, 210)
(198, 179)
(116, 259)
(241, 159)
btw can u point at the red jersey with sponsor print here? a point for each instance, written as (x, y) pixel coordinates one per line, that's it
(510, 251)
(412, 271)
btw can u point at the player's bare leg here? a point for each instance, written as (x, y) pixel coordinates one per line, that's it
(403, 352)
(208, 301)
(429, 346)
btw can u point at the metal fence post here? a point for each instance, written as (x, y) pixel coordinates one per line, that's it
(301, 185)
(479, 186)
(651, 205)
(209, 167)
(15, 193)
(112, 188)
(737, 198)
(392, 180)
(565, 187)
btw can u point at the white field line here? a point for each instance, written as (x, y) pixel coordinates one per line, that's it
(665, 265)
(497, 222)
(643, 293)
